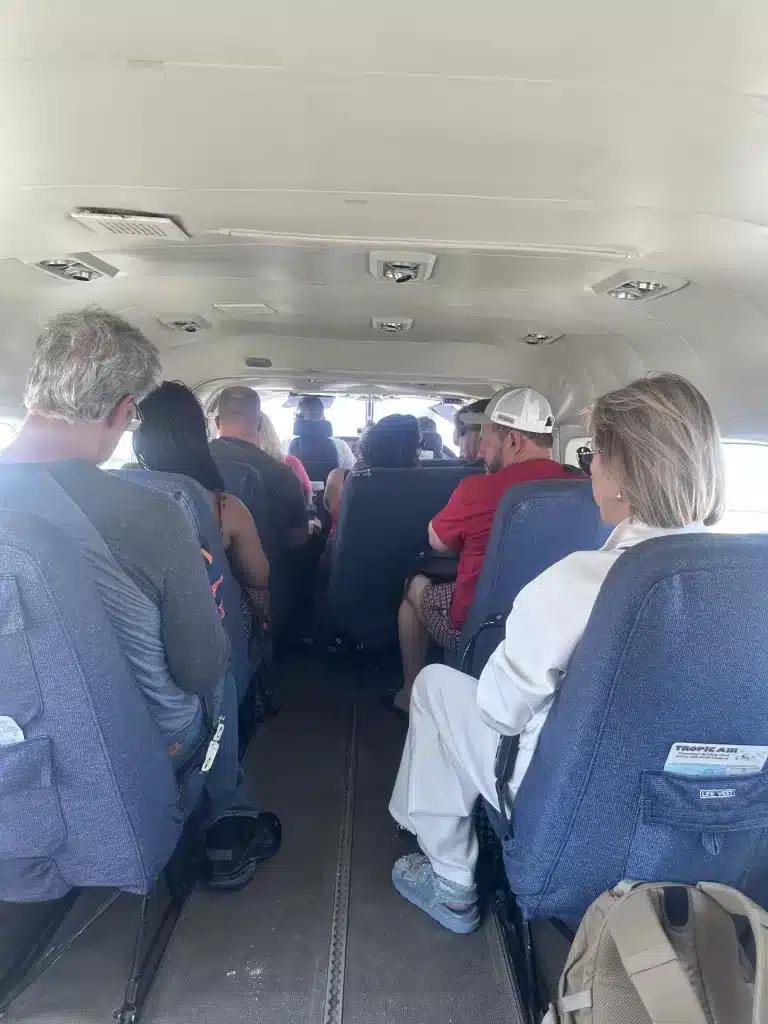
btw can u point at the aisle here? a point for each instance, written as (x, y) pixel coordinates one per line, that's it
(319, 936)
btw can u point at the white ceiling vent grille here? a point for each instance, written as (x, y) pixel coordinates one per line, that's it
(246, 311)
(401, 267)
(639, 286)
(188, 323)
(537, 338)
(124, 224)
(390, 325)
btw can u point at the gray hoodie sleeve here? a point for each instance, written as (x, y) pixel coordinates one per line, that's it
(196, 643)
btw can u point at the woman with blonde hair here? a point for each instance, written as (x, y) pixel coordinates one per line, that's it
(656, 463)
(269, 442)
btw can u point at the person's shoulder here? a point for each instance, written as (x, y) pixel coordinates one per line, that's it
(136, 496)
(474, 484)
(580, 571)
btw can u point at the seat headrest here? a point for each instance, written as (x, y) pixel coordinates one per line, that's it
(431, 441)
(312, 428)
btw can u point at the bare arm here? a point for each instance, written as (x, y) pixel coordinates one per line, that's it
(435, 543)
(333, 488)
(251, 564)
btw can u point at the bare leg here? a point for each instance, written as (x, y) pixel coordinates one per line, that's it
(414, 640)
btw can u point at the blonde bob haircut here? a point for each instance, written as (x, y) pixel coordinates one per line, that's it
(267, 438)
(660, 440)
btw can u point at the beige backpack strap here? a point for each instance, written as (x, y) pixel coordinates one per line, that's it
(650, 960)
(739, 905)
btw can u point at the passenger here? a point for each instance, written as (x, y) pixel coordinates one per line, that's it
(431, 441)
(516, 446)
(267, 439)
(89, 370)
(657, 469)
(311, 408)
(392, 443)
(238, 421)
(172, 438)
(466, 437)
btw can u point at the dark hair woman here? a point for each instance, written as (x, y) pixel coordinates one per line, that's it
(173, 438)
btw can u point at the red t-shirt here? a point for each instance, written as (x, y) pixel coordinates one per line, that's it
(465, 523)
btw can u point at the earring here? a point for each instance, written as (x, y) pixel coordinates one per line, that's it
(619, 496)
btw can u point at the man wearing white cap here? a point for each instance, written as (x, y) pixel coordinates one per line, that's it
(516, 446)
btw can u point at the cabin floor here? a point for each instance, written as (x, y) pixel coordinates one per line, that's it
(319, 935)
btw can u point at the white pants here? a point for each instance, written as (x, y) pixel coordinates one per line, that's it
(448, 762)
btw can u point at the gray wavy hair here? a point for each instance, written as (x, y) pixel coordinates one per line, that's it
(85, 362)
(660, 439)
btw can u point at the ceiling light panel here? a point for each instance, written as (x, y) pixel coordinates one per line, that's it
(391, 325)
(640, 286)
(246, 311)
(401, 267)
(80, 267)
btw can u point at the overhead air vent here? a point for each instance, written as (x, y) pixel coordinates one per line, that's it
(401, 267)
(244, 310)
(77, 266)
(642, 286)
(537, 338)
(187, 324)
(391, 326)
(130, 224)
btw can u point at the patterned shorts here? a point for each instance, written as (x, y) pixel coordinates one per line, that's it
(435, 608)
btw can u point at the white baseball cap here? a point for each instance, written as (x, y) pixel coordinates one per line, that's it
(519, 408)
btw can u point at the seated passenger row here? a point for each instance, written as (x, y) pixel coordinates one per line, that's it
(604, 792)
(90, 374)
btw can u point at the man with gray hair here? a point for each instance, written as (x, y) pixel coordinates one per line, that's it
(90, 369)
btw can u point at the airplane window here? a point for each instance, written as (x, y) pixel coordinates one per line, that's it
(416, 405)
(346, 414)
(747, 488)
(123, 452)
(8, 431)
(570, 458)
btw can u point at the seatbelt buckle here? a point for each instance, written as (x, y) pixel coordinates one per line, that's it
(213, 746)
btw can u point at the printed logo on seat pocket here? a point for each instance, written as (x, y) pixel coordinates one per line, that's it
(716, 794)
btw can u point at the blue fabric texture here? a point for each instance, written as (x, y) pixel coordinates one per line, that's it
(88, 798)
(675, 651)
(536, 524)
(192, 498)
(381, 530)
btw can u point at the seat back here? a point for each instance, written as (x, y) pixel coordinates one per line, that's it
(381, 529)
(192, 498)
(675, 651)
(535, 525)
(313, 446)
(431, 441)
(88, 796)
(245, 483)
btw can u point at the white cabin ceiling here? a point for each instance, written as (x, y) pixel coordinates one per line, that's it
(329, 130)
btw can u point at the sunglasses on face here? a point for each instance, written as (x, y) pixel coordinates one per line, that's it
(585, 455)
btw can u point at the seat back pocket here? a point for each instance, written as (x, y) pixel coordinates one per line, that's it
(31, 823)
(689, 829)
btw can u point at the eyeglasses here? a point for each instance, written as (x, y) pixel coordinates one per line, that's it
(585, 456)
(137, 420)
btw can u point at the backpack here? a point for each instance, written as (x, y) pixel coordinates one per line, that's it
(636, 961)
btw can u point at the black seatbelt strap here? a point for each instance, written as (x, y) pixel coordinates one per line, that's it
(491, 622)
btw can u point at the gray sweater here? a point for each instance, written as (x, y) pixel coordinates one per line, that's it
(152, 541)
